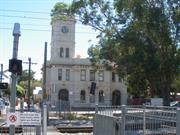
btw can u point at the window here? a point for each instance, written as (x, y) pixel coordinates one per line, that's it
(101, 76)
(83, 74)
(67, 74)
(83, 96)
(60, 74)
(113, 76)
(92, 75)
(61, 52)
(67, 52)
(101, 96)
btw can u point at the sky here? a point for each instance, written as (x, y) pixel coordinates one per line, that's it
(34, 18)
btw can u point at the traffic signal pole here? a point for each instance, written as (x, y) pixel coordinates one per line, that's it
(16, 34)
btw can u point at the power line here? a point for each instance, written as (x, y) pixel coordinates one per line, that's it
(26, 24)
(25, 17)
(40, 30)
(20, 11)
(27, 29)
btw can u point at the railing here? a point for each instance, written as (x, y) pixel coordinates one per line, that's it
(137, 120)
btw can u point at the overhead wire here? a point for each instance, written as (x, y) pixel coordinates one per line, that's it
(21, 11)
(37, 18)
(40, 30)
(25, 17)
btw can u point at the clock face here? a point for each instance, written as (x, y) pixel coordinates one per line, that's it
(64, 29)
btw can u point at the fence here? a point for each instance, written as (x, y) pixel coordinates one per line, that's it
(137, 120)
(23, 128)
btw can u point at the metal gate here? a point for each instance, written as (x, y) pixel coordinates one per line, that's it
(21, 127)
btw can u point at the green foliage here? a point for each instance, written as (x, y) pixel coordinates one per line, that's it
(20, 92)
(142, 37)
(24, 78)
(60, 11)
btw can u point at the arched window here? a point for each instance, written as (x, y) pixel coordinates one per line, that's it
(116, 97)
(83, 96)
(101, 96)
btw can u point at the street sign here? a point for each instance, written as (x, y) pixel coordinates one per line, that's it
(30, 118)
(24, 118)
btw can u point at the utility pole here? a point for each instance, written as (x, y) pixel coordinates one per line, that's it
(15, 67)
(29, 81)
(44, 93)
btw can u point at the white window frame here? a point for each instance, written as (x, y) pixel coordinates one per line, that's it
(60, 74)
(83, 74)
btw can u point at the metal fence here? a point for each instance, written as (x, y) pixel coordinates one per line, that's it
(137, 120)
(19, 129)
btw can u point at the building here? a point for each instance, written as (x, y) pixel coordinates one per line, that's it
(72, 82)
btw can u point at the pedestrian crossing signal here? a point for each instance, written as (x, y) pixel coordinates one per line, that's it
(15, 66)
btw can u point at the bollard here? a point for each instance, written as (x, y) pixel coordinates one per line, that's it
(123, 119)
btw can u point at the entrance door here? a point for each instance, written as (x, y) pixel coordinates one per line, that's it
(116, 97)
(63, 97)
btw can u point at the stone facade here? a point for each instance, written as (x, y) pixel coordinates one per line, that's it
(69, 79)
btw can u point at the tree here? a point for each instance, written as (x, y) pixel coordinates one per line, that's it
(140, 36)
(24, 78)
(22, 84)
(20, 92)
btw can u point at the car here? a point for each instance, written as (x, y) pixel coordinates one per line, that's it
(175, 104)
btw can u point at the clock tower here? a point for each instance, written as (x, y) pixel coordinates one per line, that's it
(63, 38)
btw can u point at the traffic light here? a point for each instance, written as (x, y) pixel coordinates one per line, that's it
(93, 88)
(15, 66)
(3, 85)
